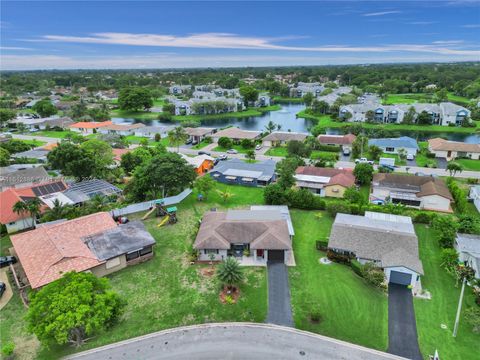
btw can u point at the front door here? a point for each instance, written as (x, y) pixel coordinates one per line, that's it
(260, 253)
(237, 250)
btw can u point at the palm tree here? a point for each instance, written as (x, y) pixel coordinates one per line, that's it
(225, 195)
(20, 208)
(270, 127)
(58, 211)
(229, 272)
(33, 207)
(177, 136)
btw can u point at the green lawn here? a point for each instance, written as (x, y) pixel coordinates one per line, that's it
(398, 161)
(441, 309)
(53, 134)
(34, 142)
(325, 121)
(136, 140)
(280, 151)
(166, 291)
(468, 164)
(421, 97)
(142, 115)
(239, 148)
(201, 145)
(287, 100)
(351, 310)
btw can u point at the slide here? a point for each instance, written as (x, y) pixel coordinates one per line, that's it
(164, 221)
(148, 213)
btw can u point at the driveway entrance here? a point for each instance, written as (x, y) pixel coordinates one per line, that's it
(279, 307)
(402, 328)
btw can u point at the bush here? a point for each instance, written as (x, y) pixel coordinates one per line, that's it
(356, 209)
(338, 258)
(328, 148)
(430, 155)
(356, 267)
(158, 137)
(208, 140)
(472, 181)
(333, 208)
(165, 117)
(8, 348)
(247, 144)
(321, 245)
(225, 142)
(274, 195)
(301, 199)
(315, 315)
(423, 218)
(374, 275)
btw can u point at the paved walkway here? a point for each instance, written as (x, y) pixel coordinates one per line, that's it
(402, 327)
(279, 307)
(233, 341)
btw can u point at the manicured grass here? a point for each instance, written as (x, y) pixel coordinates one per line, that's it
(468, 164)
(325, 155)
(136, 140)
(141, 115)
(34, 143)
(421, 97)
(167, 291)
(239, 148)
(240, 114)
(441, 309)
(53, 134)
(280, 151)
(287, 100)
(350, 309)
(325, 121)
(201, 145)
(422, 159)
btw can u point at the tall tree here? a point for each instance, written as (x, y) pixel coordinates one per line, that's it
(5, 116)
(308, 98)
(72, 160)
(71, 308)
(205, 184)
(363, 173)
(249, 94)
(44, 108)
(453, 168)
(177, 137)
(135, 99)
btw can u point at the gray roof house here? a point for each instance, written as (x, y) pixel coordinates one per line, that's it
(263, 233)
(237, 171)
(393, 145)
(39, 154)
(389, 241)
(23, 177)
(85, 190)
(468, 248)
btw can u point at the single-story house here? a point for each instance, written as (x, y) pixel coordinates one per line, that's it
(117, 155)
(89, 127)
(451, 150)
(19, 221)
(55, 122)
(121, 129)
(474, 194)
(83, 191)
(278, 138)
(393, 145)
(22, 178)
(468, 248)
(262, 234)
(150, 131)
(237, 171)
(92, 243)
(236, 134)
(197, 134)
(388, 241)
(201, 163)
(39, 154)
(344, 141)
(29, 122)
(421, 192)
(324, 181)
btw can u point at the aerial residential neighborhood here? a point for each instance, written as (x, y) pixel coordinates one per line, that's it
(174, 185)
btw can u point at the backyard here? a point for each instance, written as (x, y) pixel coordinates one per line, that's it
(350, 309)
(166, 291)
(441, 309)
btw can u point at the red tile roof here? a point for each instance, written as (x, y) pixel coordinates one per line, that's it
(90, 125)
(117, 153)
(52, 250)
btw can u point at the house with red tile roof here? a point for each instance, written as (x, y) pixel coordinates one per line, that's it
(15, 222)
(324, 181)
(90, 243)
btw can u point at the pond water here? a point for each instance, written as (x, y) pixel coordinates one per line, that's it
(287, 120)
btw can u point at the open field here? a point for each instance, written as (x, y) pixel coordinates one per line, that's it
(421, 97)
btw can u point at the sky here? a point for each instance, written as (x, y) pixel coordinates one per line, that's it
(185, 34)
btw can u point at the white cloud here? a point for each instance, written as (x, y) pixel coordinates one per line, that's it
(422, 22)
(471, 26)
(382, 13)
(448, 42)
(233, 41)
(15, 48)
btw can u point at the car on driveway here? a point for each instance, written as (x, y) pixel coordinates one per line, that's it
(363, 161)
(7, 260)
(223, 157)
(258, 147)
(3, 287)
(410, 157)
(204, 153)
(188, 142)
(232, 151)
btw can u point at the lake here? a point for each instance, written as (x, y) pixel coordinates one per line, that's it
(287, 120)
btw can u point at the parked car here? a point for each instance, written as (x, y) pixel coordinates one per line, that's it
(7, 260)
(419, 174)
(258, 147)
(34, 130)
(410, 157)
(363, 160)
(223, 157)
(216, 161)
(204, 153)
(194, 142)
(386, 167)
(3, 287)
(188, 142)
(232, 151)
(346, 151)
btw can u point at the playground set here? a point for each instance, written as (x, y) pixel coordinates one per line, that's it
(169, 214)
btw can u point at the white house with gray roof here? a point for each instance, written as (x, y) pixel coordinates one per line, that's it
(386, 240)
(468, 248)
(393, 145)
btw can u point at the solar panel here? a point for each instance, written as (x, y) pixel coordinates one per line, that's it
(48, 188)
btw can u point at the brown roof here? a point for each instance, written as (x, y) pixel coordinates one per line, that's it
(439, 144)
(218, 232)
(198, 131)
(236, 133)
(337, 139)
(284, 136)
(52, 250)
(421, 185)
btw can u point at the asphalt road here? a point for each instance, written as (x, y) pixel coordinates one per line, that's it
(402, 327)
(279, 307)
(232, 341)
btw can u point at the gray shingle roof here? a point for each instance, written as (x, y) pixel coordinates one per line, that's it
(469, 243)
(391, 243)
(284, 136)
(239, 167)
(30, 175)
(400, 142)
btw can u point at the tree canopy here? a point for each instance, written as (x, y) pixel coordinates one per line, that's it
(135, 99)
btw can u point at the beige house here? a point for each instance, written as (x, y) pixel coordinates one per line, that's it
(278, 138)
(236, 134)
(451, 150)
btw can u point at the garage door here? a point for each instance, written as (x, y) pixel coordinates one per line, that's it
(397, 277)
(276, 255)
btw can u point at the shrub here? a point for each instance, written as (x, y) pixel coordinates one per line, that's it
(165, 117)
(225, 142)
(301, 199)
(274, 195)
(328, 148)
(423, 218)
(333, 208)
(7, 349)
(373, 275)
(356, 267)
(321, 245)
(208, 140)
(472, 181)
(315, 315)
(246, 144)
(430, 155)
(339, 258)
(355, 209)
(229, 299)
(158, 137)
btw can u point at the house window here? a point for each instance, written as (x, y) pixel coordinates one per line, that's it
(133, 255)
(390, 149)
(210, 251)
(146, 250)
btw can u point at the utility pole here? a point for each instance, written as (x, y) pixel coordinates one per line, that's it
(459, 309)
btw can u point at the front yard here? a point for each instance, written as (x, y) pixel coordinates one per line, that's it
(468, 164)
(441, 309)
(350, 309)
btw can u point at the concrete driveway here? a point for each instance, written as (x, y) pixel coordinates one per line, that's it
(441, 163)
(232, 341)
(7, 295)
(279, 307)
(402, 327)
